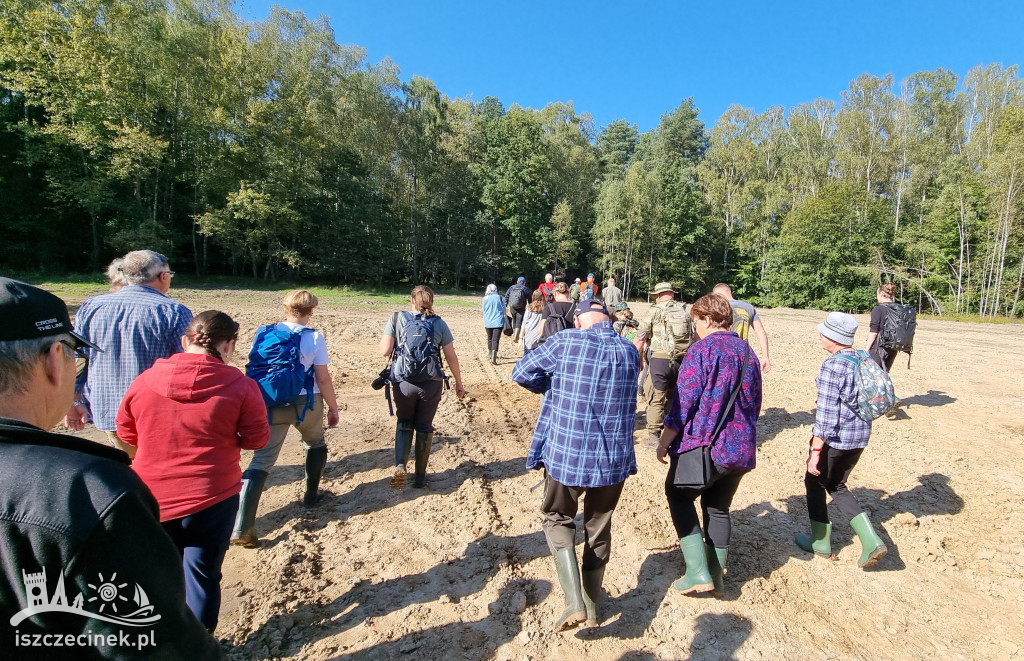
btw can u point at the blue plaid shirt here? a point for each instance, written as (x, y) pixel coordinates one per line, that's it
(584, 433)
(135, 327)
(835, 420)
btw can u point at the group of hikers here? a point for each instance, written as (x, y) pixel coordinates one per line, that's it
(168, 496)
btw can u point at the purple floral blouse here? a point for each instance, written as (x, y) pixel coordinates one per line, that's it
(706, 378)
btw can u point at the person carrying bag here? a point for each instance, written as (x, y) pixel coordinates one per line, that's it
(710, 441)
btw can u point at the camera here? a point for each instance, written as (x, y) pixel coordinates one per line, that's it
(382, 379)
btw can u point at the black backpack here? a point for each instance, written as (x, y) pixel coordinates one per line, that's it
(557, 322)
(517, 298)
(898, 328)
(417, 357)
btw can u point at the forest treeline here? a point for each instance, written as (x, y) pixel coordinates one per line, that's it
(267, 149)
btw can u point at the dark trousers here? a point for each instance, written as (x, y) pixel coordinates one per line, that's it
(517, 317)
(493, 337)
(883, 357)
(715, 501)
(835, 467)
(416, 403)
(561, 503)
(202, 540)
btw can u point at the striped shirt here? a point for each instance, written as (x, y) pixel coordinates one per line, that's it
(134, 327)
(835, 420)
(584, 433)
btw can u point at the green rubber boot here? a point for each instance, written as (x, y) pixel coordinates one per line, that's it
(423, 443)
(592, 579)
(403, 444)
(569, 578)
(697, 577)
(316, 460)
(244, 533)
(871, 546)
(819, 541)
(716, 566)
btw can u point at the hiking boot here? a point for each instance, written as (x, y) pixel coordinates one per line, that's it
(403, 445)
(697, 577)
(871, 546)
(819, 541)
(569, 578)
(316, 460)
(592, 579)
(423, 443)
(244, 533)
(716, 566)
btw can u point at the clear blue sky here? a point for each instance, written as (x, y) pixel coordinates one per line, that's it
(638, 60)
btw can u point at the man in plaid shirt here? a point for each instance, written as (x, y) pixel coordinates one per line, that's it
(584, 441)
(136, 326)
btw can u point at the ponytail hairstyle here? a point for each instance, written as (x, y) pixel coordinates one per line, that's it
(423, 300)
(210, 328)
(888, 290)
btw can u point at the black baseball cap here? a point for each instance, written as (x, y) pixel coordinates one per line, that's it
(30, 312)
(591, 305)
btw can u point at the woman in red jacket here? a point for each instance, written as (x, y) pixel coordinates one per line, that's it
(190, 416)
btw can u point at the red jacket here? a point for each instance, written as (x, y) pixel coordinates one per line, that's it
(190, 415)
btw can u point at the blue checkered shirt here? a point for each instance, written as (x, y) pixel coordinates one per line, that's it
(134, 327)
(835, 420)
(584, 433)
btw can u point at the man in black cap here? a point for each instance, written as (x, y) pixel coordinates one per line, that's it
(82, 554)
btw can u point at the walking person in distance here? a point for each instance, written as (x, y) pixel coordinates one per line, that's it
(494, 321)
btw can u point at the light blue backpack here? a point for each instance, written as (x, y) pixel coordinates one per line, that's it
(875, 395)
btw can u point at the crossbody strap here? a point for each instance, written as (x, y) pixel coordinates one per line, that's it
(732, 399)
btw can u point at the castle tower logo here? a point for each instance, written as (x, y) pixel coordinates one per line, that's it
(109, 601)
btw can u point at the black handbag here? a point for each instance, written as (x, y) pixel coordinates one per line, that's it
(507, 330)
(694, 468)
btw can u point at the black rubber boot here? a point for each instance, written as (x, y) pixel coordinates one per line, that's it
(423, 443)
(316, 459)
(244, 533)
(403, 444)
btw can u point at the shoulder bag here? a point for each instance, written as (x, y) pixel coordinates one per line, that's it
(695, 469)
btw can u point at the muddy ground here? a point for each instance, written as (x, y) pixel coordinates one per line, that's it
(461, 569)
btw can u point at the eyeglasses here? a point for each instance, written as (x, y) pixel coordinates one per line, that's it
(170, 273)
(80, 352)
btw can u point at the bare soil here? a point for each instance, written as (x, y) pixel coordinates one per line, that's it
(461, 569)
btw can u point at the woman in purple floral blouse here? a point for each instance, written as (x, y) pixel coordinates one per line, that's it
(709, 372)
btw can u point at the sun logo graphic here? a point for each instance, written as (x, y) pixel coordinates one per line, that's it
(108, 601)
(108, 593)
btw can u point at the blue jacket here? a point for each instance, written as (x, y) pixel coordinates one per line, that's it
(494, 311)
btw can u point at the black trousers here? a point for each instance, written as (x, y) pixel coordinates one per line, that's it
(835, 467)
(715, 501)
(416, 403)
(493, 337)
(883, 357)
(517, 317)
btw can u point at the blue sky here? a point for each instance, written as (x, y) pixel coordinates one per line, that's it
(638, 60)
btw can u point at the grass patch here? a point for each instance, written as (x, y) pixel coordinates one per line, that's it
(79, 286)
(970, 318)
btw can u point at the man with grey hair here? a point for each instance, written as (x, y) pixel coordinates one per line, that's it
(72, 511)
(136, 326)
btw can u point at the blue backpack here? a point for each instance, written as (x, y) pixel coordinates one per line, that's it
(417, 357)
(874, 387)
(275, 365)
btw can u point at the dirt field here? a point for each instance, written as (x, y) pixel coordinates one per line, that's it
(461, 570)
